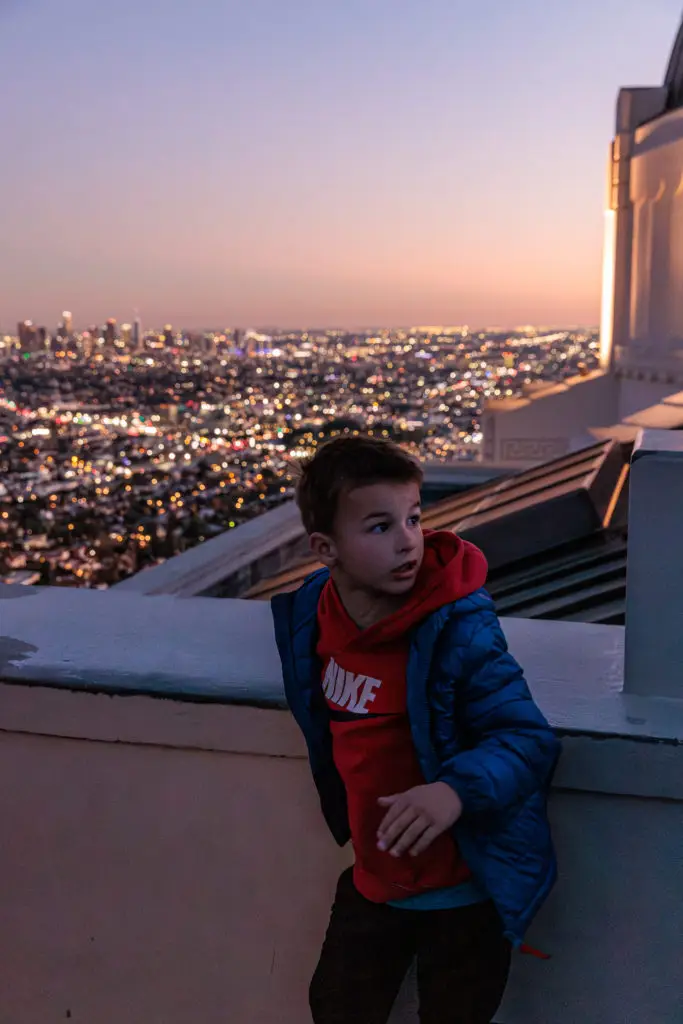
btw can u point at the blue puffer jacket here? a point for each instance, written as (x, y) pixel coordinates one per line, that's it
(475, 726)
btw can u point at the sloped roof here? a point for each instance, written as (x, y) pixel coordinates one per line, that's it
(545, 532)
(584, 581)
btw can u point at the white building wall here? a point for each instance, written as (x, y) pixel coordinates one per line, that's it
(549, 426)
(642, 314)
(655, 341)
(636, 395)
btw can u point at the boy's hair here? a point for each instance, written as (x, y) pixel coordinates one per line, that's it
(343, 465)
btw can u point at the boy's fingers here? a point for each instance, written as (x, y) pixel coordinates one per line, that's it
(387, 801)
(395, 811)
(425, 840)
(387, 835)
(409, 837)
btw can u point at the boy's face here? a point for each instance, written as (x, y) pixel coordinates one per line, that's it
(377, 543)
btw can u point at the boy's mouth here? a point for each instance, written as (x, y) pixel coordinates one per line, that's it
(404, 570)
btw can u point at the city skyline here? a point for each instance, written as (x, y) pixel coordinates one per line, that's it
(404, 164)
(58, 326)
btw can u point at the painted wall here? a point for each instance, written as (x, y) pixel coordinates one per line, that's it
(612, 925)
(656, 317)
(152, 882)
(166, 861)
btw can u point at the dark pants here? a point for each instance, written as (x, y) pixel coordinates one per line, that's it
(463, 961)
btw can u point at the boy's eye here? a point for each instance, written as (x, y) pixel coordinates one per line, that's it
(415, 519)
(379, 528)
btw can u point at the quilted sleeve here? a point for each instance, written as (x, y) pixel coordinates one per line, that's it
(511, 750)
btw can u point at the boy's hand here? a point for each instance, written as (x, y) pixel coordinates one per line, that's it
(417, 817)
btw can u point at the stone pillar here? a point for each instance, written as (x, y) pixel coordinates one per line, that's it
(654, 588)
(635, 107)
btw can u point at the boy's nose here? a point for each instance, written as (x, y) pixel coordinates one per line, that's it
(406, 542)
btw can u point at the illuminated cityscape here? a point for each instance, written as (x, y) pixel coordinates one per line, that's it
(120, 448)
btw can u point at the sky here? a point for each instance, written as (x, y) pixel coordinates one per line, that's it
(312, 162)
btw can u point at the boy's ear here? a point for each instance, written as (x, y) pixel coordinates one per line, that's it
(323, 548)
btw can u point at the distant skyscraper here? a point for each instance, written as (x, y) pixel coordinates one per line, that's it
(110, 334)
(88, 342)
(250, 345)
(138, 339)
(237, 339)
(168, 335)
(68, 323)
(27, 335)
(126, 334)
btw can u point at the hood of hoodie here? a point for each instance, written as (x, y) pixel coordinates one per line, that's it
(451, 569)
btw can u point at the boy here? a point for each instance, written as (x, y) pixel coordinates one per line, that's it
(426, 747)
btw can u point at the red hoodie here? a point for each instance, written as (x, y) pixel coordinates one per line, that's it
(364, 681)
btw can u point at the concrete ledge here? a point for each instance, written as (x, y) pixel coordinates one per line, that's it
(654, 640)
(149, 722)
(593, 764)
(115, 642)
(9, 591)
(659, 443)
(207, 566)
(77, 644)
(621, 767)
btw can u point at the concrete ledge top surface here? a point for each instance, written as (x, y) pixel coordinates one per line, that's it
(207, 564)
(667, 443)
(224, 650)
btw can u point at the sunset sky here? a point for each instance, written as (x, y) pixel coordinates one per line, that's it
(312, 162)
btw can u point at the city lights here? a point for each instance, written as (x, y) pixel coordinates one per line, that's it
(121, 448)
